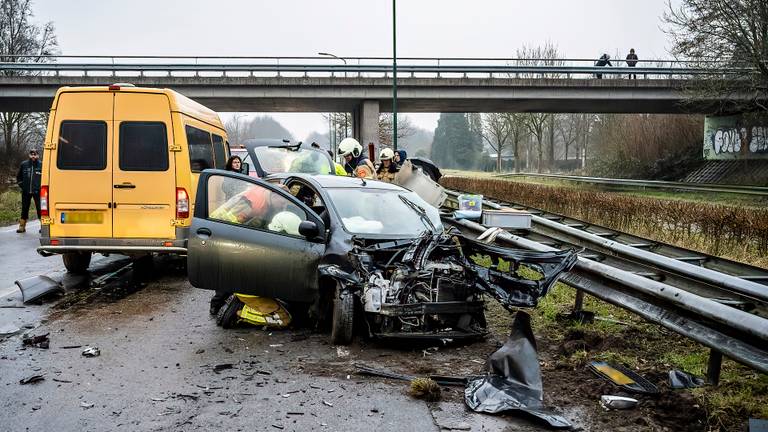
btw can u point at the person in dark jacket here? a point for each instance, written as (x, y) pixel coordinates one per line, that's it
(604, 60)
(28, 179)
(632, 61)
(400, 157)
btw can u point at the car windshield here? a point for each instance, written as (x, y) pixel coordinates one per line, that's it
(383, 211)
(280, 160)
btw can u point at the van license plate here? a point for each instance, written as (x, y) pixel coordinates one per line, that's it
(84, 217)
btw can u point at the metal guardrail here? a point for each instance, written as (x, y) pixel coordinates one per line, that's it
(652, 184)
(362, 66)
(665, 287)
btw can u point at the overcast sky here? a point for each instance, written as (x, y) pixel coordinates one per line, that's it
(349, 28)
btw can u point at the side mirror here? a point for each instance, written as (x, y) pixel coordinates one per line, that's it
(245, 168)
(309, 229)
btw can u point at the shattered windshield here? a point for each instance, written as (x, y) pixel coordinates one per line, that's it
(280, 160)
(381, 211)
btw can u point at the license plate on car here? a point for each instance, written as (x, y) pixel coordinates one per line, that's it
(82, 217)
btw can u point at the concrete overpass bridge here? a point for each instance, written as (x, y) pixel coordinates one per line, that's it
(363, 85)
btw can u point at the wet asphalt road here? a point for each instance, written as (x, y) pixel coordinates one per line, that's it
(156, 371)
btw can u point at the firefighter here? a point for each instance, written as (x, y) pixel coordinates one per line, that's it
(388, 168)
(356, 165)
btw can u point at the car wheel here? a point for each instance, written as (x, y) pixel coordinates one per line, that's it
(76, 262)
(227, 317)
(342, 321)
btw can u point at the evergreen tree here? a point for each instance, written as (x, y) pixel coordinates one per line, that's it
(454, 145)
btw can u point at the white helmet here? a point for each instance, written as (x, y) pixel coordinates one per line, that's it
(286, 222)
(350, 146)
(386, 154)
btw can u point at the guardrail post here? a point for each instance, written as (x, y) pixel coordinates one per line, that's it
(713, 366)
(579, 303)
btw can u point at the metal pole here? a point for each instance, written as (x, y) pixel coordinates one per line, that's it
(394, 75)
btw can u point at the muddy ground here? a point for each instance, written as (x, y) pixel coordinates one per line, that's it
(165, 365)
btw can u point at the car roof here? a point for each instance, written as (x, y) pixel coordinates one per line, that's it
(334, 181)
(267, 142)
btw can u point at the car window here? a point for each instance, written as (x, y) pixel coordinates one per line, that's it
(82, 145)
(218, 152)
(200, 149)
(382, 211)
(251, 205)
(143, 146)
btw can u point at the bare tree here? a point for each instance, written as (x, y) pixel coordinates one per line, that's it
(496, 133)
(731, 31)
(22, 41)
(569, 129)
(404, 128)
(545, 55)
(236, 129)
(517, 132)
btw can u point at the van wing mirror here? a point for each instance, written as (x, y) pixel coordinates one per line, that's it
(245, 168)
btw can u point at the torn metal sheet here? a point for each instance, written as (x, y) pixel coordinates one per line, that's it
(610, 402)
(513, 380)
(682, 380)
(36, 287)
(442, 380)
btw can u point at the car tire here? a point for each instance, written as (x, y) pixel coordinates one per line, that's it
(76, 262)
(342, 321)
(227, 317)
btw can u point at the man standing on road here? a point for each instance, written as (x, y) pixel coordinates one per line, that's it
(632, 61)
(28, 179)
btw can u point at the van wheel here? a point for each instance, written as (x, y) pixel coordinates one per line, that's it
(77, 262)
(342, 321)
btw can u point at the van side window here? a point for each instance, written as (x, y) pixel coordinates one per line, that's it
(82, 145)
(219, 152)
(200, 150)
(143, 146)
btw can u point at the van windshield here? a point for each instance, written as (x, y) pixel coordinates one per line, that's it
(280, 160)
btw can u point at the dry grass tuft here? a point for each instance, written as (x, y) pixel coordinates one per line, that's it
(734, 232)
(426, 389)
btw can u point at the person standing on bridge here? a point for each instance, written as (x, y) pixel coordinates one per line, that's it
(631, 62)
(28, 179)
(604, 60)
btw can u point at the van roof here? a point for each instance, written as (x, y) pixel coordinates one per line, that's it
(179, 102)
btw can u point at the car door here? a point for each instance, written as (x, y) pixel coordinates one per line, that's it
(244, 238)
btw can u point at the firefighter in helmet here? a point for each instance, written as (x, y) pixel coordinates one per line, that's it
(355, 163)
(388, 168)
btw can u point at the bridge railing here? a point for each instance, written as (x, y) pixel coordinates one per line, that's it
(357, 67)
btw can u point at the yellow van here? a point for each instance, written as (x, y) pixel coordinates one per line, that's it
(120, 172)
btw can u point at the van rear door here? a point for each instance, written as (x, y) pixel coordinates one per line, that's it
(144, 174)
(80, 167)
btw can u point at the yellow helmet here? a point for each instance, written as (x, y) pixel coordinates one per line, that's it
(386, 154)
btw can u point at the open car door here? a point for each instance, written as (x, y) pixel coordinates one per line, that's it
(252, 237)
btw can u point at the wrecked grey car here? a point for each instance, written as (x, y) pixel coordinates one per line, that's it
(356, 254)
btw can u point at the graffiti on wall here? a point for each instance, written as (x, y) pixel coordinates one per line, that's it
(727, 138)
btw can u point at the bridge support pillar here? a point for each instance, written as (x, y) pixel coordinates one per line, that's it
(365, 125)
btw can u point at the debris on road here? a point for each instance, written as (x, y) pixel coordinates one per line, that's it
(40, 341)
(425, 388)
(341, 352)
(513, 382)
(71, 346)
(36, 288)
(222, 366)
(8, 329)
(327, 403)
(610, 402)
(439, 379)
(91, 352)
(31, 379)
(682, 380)
(623, 377)
(86, 405)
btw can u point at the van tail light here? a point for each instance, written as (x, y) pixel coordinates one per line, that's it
(44, 201)
(182, 203)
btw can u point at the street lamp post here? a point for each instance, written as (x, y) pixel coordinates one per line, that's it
(394, 75)
(337, 58)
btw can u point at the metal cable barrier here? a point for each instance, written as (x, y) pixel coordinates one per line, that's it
(718, 303)
(760, 191)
